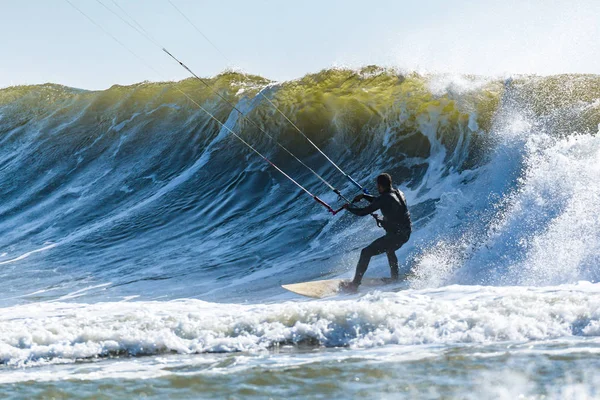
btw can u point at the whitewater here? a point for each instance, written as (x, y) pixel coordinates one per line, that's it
(142, 247)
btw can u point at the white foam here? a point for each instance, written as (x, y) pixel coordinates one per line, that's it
(456, 84)
(25, 255)
(63, 332)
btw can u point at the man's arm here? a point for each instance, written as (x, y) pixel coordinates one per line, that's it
(371, 208)
(365, 196)
(369, 198)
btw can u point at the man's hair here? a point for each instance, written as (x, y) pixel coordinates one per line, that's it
(385, 180)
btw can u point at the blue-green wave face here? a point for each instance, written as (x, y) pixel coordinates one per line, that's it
(135, 191)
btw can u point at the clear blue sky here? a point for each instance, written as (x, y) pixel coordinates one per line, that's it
(49, 41)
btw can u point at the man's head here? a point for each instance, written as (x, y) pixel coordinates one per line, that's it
(384, 183)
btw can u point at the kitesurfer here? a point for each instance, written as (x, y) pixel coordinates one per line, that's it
(396, 222)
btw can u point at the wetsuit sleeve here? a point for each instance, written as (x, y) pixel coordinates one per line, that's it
(361, 212)
(369, 198)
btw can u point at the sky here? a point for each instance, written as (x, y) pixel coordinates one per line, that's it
(51, 41)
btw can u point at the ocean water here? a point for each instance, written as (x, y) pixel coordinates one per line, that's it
(142, 247)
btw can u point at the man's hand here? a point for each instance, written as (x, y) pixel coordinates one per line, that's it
(358, 198)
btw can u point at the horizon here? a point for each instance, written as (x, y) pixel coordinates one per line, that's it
(354, 69)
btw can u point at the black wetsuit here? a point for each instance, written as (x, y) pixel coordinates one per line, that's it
(397, 225)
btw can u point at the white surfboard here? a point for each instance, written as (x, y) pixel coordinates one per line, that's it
(329, 287)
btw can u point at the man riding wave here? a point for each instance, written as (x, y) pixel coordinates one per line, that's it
(396, 222)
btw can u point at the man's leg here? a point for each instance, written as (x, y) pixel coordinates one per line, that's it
(394, 243)
(379, 246)
(393, 260)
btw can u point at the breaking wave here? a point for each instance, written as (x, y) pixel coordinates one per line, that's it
(133, 193)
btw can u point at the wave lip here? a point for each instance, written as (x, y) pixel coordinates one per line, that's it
(64, 333)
